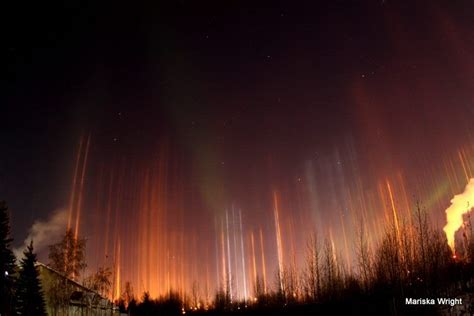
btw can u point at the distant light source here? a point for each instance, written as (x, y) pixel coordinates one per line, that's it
(6, 273)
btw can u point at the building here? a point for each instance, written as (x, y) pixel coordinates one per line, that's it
(66, 297)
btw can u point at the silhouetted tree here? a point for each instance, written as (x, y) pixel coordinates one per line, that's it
(222, 300)
(30, 300)
(258, 289)
(68, 255)
(7, 263)
(312, 277)
(68, 258)
(195, 294)
(100, 281)
(127, 296)
(330, 269)
(290, 284)
(364, 258)
(422, 231)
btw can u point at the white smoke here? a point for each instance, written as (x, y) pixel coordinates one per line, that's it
(44, 232)
(460, 204)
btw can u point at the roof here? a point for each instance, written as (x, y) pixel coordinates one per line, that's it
(84, 288)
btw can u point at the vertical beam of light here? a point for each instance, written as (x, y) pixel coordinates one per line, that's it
(109, 211)
(243, 255)
(382, 197)
(73, 193)
(394, 211)
(333, 247)
(216, 252)
(378, 222)
(229, 269)
(143, 232)
(262, 257)
(254, 262)
(466, 159)
(411, 232)
(290, 233)
(463, 164)
(278, 239)
(224, 269)
(182, 262)
(117, 272)
(168, 276)
(208, 281)
(447, 172)
(98, 210)
(81, 187)
(235, 262)
(454, 173)
(165, 247)
(74, 184)
(346, 248)
(80, 197)
(117, 249)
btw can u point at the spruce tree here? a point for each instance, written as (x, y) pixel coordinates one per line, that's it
(7, 263)
(30, 300)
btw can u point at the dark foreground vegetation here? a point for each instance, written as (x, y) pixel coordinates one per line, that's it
(412, 260)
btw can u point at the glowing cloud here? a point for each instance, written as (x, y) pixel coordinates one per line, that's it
(460, 205)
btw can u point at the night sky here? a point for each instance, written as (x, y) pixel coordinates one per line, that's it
(195, 108)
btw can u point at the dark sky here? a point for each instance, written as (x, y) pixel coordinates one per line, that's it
(247, 95)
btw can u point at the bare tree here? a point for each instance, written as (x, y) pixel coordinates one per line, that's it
(100, 281)
(68, 258)
(364, 258)
(195, 292)
(312, 277)
(127, 295)
(422, 230)
(329, 269)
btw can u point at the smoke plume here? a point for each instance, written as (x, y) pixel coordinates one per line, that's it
(44, 232)
(460, 204)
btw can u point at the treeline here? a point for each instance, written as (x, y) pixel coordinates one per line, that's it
(411, 260)
(20, 286)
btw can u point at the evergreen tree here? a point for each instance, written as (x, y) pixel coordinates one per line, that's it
(30, 300)
(7, 263)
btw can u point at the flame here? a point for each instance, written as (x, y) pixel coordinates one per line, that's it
(460, 205)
